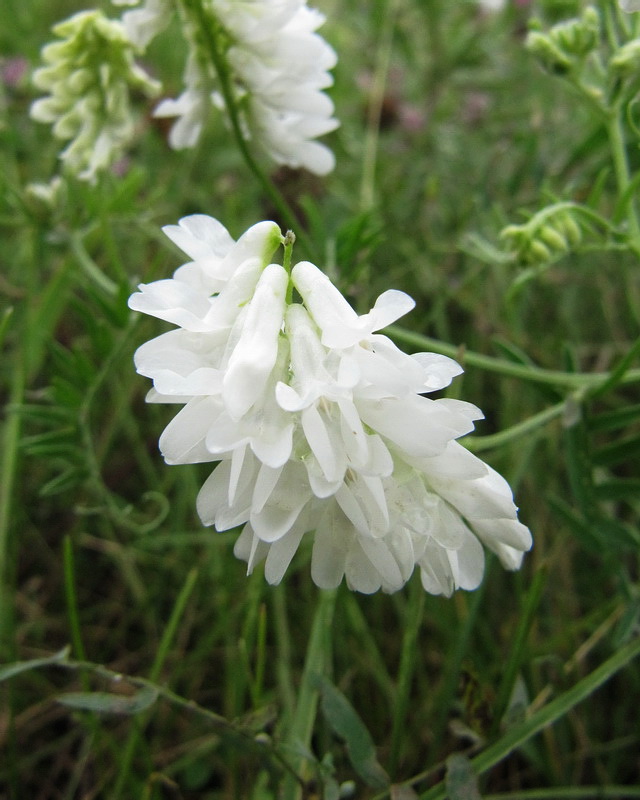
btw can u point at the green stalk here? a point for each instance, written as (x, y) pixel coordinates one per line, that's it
(408, 664)
(568, 380)
(376, 100)
(72, 600)
(316, 663)
(516, 655)
(615, 131)
(283, 661)
(479, 443)
(205, 24)
(455, 659)
(163, 650)
(9, 468)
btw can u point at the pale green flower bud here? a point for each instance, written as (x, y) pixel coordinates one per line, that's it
(43, 199)
(88, 76)
(538, 253)
(553, 238)
(560, 47)
(570, 229)
(547, 52)
(626, 61)
(578, 37)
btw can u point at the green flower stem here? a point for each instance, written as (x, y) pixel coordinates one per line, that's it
(567, 380)
(376, 100)
(9, 467)
(615, 131)
(283, 662)
(158, 662)
(546, 716)
(277, 198)
(455, 658)
(316, 663)
(408, 664)
(72, 600)
(479, 443)
(517, 651)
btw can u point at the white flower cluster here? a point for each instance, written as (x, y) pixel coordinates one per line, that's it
(89, 74)
(321, 426)
(278, 67)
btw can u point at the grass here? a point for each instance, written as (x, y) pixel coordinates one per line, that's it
(187, 679)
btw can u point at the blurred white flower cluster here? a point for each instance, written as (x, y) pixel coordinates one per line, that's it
(265, 52)
(320, 425)
(88, 75)
(278, 66)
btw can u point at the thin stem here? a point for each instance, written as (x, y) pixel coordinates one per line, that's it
(158, 662)
(277, 198)
(517, 651)
(615, 132)
(283, 661)
(316, 663)
(72, 599)
(376, 100)
(479, 443)
(408, 663)
(568, 380)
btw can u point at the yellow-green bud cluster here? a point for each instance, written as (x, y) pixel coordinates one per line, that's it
(567, 42)
(547, 236)
(88, 76)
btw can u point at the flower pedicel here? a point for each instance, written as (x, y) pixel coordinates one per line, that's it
(321, 426)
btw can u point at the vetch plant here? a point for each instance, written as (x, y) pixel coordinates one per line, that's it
(88, 75)
(329, 459)
(322, 426)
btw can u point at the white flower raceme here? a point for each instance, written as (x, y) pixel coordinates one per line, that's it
(321, 426)
(629, 5)
(88, 75)
(278, 67)
(492, 5)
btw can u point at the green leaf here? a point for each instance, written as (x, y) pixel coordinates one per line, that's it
(461, 780)
(614, 420)
(9, 670)
(62, 482)
(110, 703)
(346, 723)
(619, 489)
(618, 452)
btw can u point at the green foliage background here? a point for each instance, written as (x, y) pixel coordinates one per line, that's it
(450, 131)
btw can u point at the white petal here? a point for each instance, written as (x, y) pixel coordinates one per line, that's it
(330, 547)
(183, 440)
(200, 236)
(281, 553)
(255, 354)
(287, 499)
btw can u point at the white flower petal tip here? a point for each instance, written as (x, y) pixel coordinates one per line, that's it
(321, 425)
